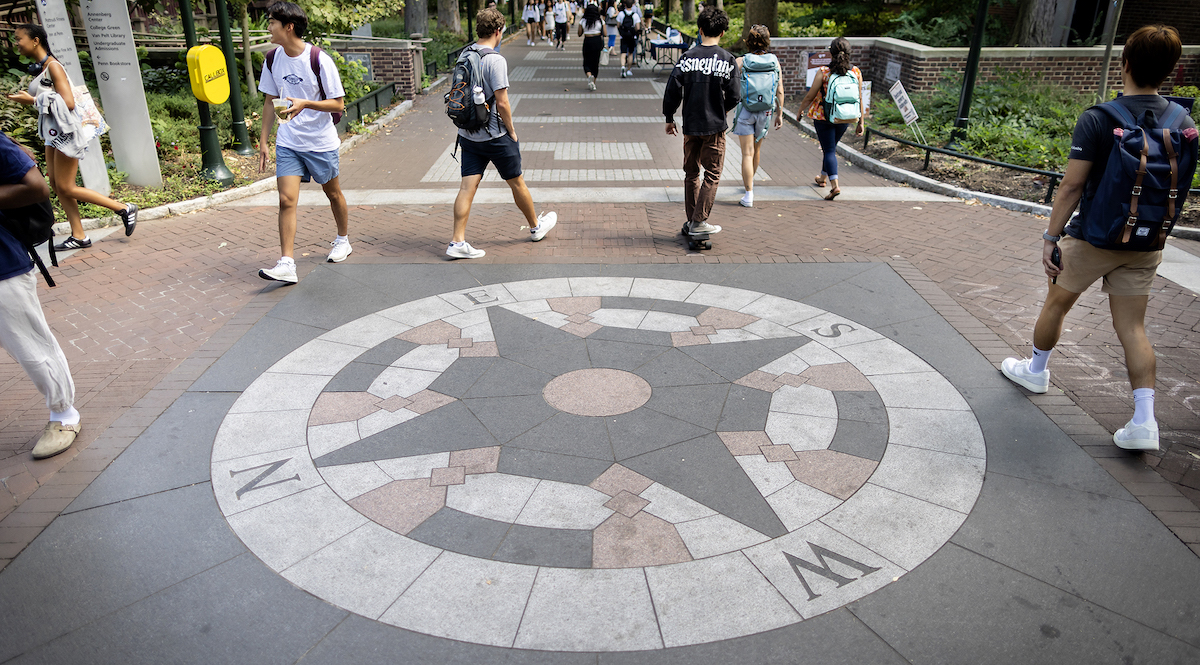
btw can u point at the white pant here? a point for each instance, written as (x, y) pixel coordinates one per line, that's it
(29, 340)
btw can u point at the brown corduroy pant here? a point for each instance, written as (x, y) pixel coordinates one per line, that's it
(707, 152)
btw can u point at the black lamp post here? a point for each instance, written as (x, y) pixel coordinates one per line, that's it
(212, 162)
(241, 140)
(968, 89)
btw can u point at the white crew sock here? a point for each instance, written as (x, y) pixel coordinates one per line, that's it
(1038, 362)
(287, 259)
(342, 239)
(71, 416)
(1143, 406)
(749, 196)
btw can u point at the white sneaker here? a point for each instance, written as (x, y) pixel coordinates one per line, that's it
(747, 200)
(591, 82)
(1017, 371)
(341, 249)
(697, 228)
(284, 271)
(464, 251)
(1137, 437)
(546, 221)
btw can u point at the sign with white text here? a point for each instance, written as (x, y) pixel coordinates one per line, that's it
(903, 103)
(119, 77)
(815, 61)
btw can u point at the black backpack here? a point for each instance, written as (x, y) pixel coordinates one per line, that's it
(627, 28)
(33, 225)
(460, 101)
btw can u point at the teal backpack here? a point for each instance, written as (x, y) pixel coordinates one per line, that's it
(760, 81)
(842, 104)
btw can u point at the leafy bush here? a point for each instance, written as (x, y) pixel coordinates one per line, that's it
(163, 79)
(18, 120)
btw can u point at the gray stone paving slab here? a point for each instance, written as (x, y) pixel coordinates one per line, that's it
(551, 466)
(355, 377)
(699, 405)
(509, 417)
(649, 337)
(642, 430)
(238, 611)
(940, 345)
(554, 359)
(69, 575)
(745, 409)
(262, 346)
(961, 603)
(903, 529)
(735, 360)
(675, 368)
(703, 470)
(865, 440)
(400, 282)
(506, 378)
(1111, 552)
(310, 305)
(860, 405)
(621, 355)
(386, 352)
(274, 532)
(451, 427)
(460, 376)
(946, 479)
(567, 434)
(518, 334)
(173, 452)
(600, 603)
(457, 531)
(540, 546)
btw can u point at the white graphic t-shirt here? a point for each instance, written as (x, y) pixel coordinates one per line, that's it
(309, 130)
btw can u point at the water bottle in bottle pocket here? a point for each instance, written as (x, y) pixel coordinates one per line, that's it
(481, 109)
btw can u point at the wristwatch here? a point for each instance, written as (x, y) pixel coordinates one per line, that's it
(1046, 235)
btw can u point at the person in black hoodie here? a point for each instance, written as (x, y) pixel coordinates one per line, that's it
(705, 80)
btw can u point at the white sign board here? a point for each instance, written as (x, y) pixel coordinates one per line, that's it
(58, 29)
(893, 71)
(866, 95)
(110, 38)
(813, 63)
(903, 103)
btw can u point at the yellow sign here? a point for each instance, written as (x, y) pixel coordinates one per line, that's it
(206, 69)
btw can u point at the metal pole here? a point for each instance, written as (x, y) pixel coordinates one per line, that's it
(964, 101)
(470, 32)
(212, 162)
(1110, 32)
(241, 140)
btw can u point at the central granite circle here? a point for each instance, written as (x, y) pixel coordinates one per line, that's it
(597, 392)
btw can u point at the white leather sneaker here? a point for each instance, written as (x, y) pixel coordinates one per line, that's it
(1017, 371)
(284, 271)
(1137, 437)
(341, 249)
(464, 251)
(546, 221)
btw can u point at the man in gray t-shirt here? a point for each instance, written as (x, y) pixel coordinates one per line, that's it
(496, 143)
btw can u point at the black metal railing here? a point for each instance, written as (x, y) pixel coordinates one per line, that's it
(1054, 177)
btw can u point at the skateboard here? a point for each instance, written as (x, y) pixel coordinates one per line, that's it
(697, 241)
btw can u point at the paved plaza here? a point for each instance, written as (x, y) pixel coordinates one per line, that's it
(795, 447)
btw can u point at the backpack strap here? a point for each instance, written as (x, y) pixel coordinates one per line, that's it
(1174, 117)
(1119, 113)
(1172, 193)
(1137, 190)
(42, 266)
(271, 58)
(314, 61)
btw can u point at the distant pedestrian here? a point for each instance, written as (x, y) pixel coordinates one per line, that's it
(51, 93)
(610, 20)
(495, 143)
(1108, 240)
(306, 145)
(561, 12)
(548, 22)
(828, 131)
(761, 105)
(24, 332)
(531, 16)
(705, 81)
(593, 31)
(629, 26)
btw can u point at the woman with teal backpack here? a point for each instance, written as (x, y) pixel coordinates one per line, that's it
(834, 103)
(762, 99)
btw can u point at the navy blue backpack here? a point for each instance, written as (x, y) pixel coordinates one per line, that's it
(1140, 196)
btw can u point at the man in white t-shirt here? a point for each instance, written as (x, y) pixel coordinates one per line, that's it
(561, 9)
(306, 146)
(629, 26)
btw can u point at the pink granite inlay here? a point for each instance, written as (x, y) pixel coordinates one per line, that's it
(719, 318)
(581, 329)
(704, 330)
(641, 540)
(778, 453)
(461, 343)
(793, 380)
(576, 305)
(479, 350)
(342, 407)
(597, 392)
(477, 460)
(839, 376)
(687, 339)
(627, 504)
(745, 443)
(760, 380)
(428, 400)
(401, 505)
(394, 403)
(619, 479)
(434, 332)
(579, 318)
(455, 475)
(832, 472)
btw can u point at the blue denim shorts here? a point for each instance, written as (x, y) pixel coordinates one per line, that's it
(319, 166)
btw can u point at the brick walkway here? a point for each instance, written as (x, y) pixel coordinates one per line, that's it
(142, 317)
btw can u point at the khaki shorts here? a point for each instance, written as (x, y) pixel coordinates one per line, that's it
(1125, 273)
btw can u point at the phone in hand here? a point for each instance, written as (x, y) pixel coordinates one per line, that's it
(1056, 259)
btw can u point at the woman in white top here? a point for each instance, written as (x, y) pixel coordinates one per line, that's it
(593, 31)
(531, 17)
(61, 167)
(611, 21)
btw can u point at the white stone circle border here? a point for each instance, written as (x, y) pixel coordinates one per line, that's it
(921, 492)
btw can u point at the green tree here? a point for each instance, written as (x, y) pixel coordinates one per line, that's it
(861, 17)
(342, 16)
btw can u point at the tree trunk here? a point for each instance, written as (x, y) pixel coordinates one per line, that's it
(764, 12)
(248, 56)
(689, 13)
(416, 17)
(448, 16)
(1036, 23)
(676, 11)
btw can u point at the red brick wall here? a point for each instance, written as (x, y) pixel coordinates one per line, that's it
(389, 64)
(1184, 17)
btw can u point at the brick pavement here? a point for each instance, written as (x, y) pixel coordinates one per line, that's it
(140, 318)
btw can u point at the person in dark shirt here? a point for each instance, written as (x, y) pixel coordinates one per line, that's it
(705, 80)
(24, 332)
(1149, 56)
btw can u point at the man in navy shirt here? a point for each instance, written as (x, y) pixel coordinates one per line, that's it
(23, 329)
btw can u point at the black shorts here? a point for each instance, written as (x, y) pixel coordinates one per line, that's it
(531, 20)
(560, 32)
(504, 152)
(628, 44)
